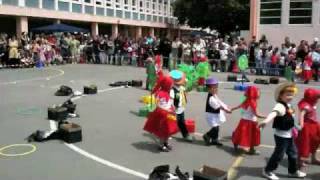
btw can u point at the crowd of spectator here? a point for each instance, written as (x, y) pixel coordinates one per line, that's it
(222, 53)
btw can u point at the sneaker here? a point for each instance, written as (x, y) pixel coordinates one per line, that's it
(164, 148)
(269, 175)
(206, 139)
(298, 174)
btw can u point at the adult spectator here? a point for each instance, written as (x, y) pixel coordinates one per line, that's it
(316, 62)
(13, 52)
(175, 51)
(3, 49)
(165, 49)
(96, 50)
(315, 43)
(252, 51)
(302, 51)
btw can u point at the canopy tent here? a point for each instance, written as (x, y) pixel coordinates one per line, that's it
(59, 28)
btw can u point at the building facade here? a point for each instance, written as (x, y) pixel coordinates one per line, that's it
(297, 19)
(132, 17)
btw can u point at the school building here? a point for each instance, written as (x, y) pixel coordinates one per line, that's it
(297, 19)
(134, 18)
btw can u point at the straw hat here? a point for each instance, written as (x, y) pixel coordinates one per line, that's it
(283, 87)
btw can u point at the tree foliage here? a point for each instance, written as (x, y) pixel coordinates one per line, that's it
(221, 15)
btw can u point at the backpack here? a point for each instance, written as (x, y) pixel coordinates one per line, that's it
(64, 91)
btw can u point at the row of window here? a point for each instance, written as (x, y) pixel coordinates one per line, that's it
(158, 7)
(89, 9)
(300, 12)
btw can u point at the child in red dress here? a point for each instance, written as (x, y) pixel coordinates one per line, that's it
(309, 137)
(162, 121)
(247, 134)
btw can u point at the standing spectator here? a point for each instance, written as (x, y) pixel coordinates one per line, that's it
(110, 50)
(74, 46)
(165, 49)
(13, 52)
(316, 62)
(186, 52)
(252, 52)
(174, 51)
(118, 48)
(96, 50)
(3, 49)
(302, 50)
(64, 48)
(223, 58)
(315, 44)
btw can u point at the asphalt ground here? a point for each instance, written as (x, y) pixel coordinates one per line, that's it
(114, 145)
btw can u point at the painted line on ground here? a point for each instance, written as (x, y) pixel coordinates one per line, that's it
(233, 172)
(61, 73)
(106, 162)
(101, 160)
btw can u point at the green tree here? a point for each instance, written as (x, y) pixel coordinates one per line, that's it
(221, 15)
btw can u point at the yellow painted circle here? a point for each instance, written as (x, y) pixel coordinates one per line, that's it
(33, 149)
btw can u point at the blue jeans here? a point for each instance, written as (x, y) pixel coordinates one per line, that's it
(283, 145)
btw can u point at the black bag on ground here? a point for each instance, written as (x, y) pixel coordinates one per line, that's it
(274, 80)
(136, 83)
(39, 136)
(71, 107)
(159, 173)
(261, 81)
(57, 113)
(232, 78)
(71, 133)
(63, 91)
(92, 89)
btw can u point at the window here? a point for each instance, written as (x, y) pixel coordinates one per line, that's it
(48, 4)
(63, 6)
(270, 11)
(88, 10)
(77, 8)
(32, 3)
(135, 16)
(119, 13)
(10, 2)
(127, 15)
(87, 1)
(300, 12)
(110, 12)
(99, 11)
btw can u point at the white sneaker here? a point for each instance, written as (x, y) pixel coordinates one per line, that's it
(298, 174)
(269, 175)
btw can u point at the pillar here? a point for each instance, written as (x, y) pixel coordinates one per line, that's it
(94, 29)
(115, 30)
(138, 32)
(21, 25)
(253, 18)
(151, 32)
(169, 33)
(57, 21)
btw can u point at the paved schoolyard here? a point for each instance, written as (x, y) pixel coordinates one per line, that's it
(114, 145)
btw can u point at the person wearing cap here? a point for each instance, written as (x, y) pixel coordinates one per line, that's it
(178, 96)
(283, 124)
(215, 115)
(309, 137)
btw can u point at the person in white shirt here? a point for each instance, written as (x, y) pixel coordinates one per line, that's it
(283, 124)
(215, 113)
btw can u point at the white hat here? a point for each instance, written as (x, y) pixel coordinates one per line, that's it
(316, 39)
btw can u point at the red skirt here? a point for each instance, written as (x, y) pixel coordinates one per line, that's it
(308, 139)
(159, 124)
(247, 134)
(307, 75)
